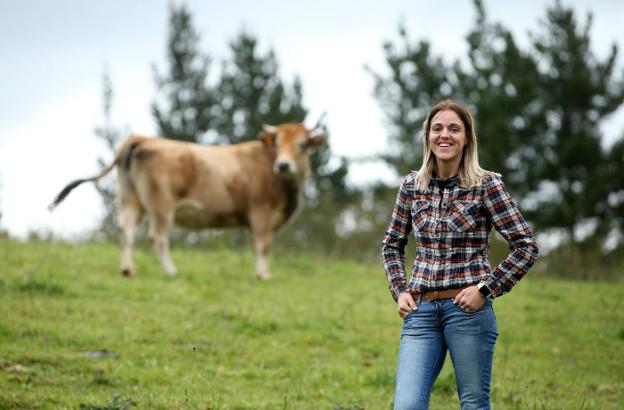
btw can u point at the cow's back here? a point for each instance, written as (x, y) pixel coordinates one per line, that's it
(204, 186)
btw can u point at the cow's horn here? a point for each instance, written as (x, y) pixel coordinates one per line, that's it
(318, 123)
(271, 129)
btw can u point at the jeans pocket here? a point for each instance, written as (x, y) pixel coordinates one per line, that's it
(485, 304)
(408, 315)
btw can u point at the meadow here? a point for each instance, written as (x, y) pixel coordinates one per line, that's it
(322, 334)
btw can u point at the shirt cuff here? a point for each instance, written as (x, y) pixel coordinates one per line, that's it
(397, 290)
(495, 289)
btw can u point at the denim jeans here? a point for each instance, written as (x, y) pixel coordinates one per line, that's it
(427, 334)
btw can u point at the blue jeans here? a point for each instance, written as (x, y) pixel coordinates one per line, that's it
(426, 335)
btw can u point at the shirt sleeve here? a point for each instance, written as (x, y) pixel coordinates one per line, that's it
(393, 245)
(508, 221)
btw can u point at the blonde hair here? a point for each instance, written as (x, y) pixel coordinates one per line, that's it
(470, 172)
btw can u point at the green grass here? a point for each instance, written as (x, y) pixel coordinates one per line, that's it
(323, 334)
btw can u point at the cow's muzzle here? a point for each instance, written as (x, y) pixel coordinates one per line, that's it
(284, 168)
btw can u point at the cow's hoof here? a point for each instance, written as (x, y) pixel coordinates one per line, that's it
(127, 272)
(263, 277)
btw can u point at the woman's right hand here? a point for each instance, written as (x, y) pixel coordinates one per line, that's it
(405, 304)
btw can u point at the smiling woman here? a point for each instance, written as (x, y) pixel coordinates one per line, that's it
(451, 204)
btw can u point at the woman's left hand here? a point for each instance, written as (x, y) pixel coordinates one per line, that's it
(470, 299)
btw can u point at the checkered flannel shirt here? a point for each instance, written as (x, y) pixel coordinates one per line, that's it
(452, 228)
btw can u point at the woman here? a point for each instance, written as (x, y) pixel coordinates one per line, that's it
(451, 204)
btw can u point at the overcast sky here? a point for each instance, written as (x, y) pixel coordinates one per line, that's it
(53, 55)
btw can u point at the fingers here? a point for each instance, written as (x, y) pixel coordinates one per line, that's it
(404, 309)
(459, 296)
(403, 313)
(405, 304)
(410, 302)
(469, 299)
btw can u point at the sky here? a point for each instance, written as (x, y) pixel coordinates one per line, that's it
(54, 54)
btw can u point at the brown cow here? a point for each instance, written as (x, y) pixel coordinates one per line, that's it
(255, 184)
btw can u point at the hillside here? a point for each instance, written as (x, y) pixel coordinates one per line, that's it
(323, 334)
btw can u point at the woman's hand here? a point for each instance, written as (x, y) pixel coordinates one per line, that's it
(405, 304)
(470, 299)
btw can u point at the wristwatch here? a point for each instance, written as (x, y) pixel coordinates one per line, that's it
(485, 291)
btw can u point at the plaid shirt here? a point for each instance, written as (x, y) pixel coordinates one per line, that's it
(452, 228)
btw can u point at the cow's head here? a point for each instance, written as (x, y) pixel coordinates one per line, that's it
(292, 143)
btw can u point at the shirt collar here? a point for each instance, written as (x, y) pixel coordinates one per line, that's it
(450, 182)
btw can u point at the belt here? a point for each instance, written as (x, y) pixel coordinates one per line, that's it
(438, 294)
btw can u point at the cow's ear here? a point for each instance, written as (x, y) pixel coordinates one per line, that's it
(316, 140)
(267, 138)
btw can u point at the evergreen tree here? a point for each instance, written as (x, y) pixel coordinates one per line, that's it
(252, 93)
(579, 91)
(416, 81)
(610, 207)
(186, 110)
(106, 187)
(501, 85)
(538, 111)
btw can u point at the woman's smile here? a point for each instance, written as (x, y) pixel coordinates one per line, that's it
(447, 136)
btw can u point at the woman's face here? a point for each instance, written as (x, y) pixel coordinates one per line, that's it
(447, 137)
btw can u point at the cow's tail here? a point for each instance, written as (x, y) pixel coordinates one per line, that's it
(122, 154)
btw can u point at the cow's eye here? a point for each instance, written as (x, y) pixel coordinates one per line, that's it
(302, 144)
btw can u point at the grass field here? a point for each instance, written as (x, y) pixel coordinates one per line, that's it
(323, 334)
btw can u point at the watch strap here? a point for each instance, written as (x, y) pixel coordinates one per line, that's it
(485, 291)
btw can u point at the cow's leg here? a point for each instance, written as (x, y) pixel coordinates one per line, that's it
(160, 224)
(152, 189)
(262, 243)
(130, 214)
(261, 235)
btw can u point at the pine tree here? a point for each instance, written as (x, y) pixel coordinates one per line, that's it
(417, 80)
(579, 91)
(501, 85)
(106, 187)
(252, 93)
(610, 207)
(539, 113)
(185, 111)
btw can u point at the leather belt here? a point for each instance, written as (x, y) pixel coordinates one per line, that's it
(438, 294)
